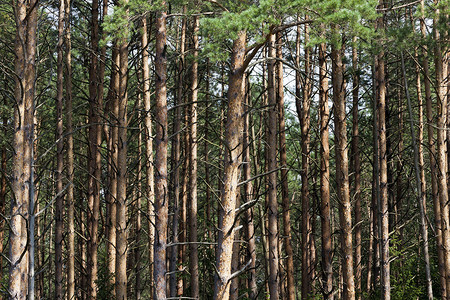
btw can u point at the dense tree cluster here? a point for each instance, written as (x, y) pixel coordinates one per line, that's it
(217, 149)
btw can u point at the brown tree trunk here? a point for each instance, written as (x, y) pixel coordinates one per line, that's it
(121, 201)
(176, 148)
(193, 246)
(284, 175)
(325, 205)
(59, 155)
(343, 188)
(272, 205)
(433, 155)
(25, 71)
(357, 172)
(233, 139)
(248, 196)
(383, 208)
(161, 139)
(148, 147)
(441, 71)
(70, 163)
(303, 102)
(94, 157)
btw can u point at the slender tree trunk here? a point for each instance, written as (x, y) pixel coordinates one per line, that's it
(59, 155)
(70, 162)
(148, 147)
(441, 71)
(22, 181)
(193, 246)
(121, 201)
(357, 172)
(176, 148)
(272, 205)
(325, 205)
(161, 139)
(137, 216)
(248, 196)
(433, 155)
(284, 175)
(233, 139)
(342, 173)
(421, 194)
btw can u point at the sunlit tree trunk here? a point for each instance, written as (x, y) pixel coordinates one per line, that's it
(22, 181)
(161, 139)
(233, 140)
(343, 189)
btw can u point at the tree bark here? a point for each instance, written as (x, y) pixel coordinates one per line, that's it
(23, 139)
(284, 175)
(325, 205)
(193, 246)
(233, 142)
(342, 173)
(161, 139)
(272, 205)
(122, 143)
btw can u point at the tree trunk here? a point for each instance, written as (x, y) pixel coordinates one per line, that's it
(121, 202)
(357, 171)
(148, 147)
(272, 205)
(284, 175)
(233, 141)
(22, 182)
(70, 162)
(343, 188)
(176, 148)
(59, 155)
(441, 71)
(325, 205)
(161, 139)
(193, 247)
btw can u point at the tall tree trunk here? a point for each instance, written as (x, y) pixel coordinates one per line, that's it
(94, 157)
(176, 148)
(303, 103)
(441, 71)
(193, 246)
(233, 139)
(161, 139)
(284, 175)
(121, 201)
(150, 195)
(325, 205)
(421, 194)
(433, 155)
(272, 205)
(357, 172)
(383, 208)
(70, 161)
(137, 216)
(22, 182)
(248, 197)
(59, 155)
(343, 188)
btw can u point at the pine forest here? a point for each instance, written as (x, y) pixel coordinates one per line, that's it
(224, 149)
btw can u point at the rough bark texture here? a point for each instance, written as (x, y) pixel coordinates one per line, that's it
(356, 173)
(161, 139)
(325, 206)
(233, 143)
(25, 72)
(272, 204)
(193, 246)
(59, 155)
(345, 215)
(121, 201)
